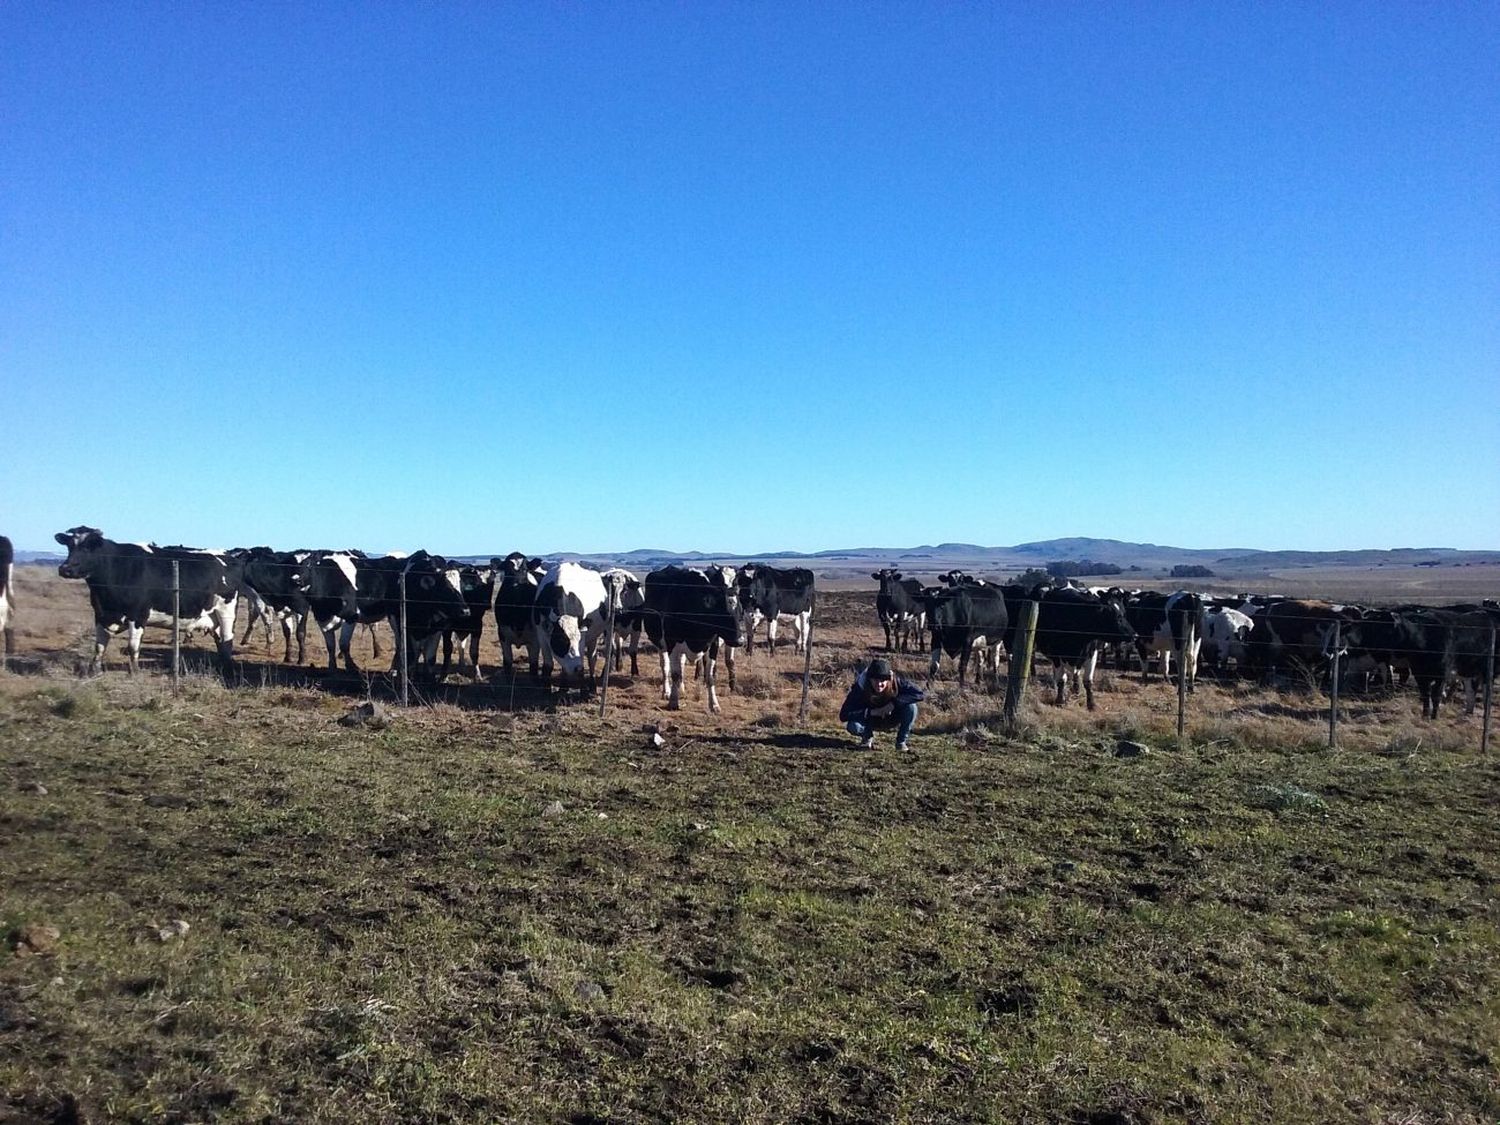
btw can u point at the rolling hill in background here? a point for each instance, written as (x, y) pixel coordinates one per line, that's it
(1140, 558)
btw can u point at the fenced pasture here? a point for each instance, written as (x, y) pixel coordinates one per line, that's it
(495, 907)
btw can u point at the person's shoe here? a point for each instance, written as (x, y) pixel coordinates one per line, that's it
(902, 747)
(867, 742)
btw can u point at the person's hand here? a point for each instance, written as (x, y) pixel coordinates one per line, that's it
(882, 712)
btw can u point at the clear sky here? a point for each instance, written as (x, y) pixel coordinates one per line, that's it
(751, 276)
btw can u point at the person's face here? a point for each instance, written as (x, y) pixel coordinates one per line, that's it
(881, 685)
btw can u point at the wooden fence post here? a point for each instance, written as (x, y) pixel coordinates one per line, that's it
(1020, 663)
(1489, 688)
(609, 646)
(807, 658)
(402, 645)
(176, 627)
(1333, 688)
(1188, 626)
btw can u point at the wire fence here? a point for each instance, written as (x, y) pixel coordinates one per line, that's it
(1314, 644)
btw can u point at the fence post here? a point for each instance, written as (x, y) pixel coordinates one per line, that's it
(402, 645)
(1182, 677)
(807, 658)
(1333, 688)
(1489, 688)
(176, 627)
(609, 645)
(1020, 663)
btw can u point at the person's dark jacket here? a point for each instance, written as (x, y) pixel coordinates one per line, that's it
(856, 708)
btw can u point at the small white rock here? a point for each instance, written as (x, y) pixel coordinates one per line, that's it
(554, 809)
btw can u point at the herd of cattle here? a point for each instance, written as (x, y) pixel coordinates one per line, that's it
(1250, 635)
(562, 613)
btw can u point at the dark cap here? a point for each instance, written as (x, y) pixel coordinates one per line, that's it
(878, 669)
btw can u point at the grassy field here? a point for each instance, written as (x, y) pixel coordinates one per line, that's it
(490, 911)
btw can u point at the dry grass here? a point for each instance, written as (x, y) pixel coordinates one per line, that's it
(502, 909)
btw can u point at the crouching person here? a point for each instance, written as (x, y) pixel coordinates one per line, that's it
(880, 700)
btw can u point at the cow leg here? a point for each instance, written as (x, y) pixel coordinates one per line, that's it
(101, 642)
(635, 645)
(886, 625)
(346, 634)
(1090, 662)
(223, 619)
(771, 635)
(710, 663)
(133, 634)
(674, 698)
(937, 658)
(1060, 678)
(666, 674)
(963, 664)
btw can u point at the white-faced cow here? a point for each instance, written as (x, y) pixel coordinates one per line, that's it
(1226, 632)
(7, 597)
(902, 612)
(130, 587)
(690, 611)
(568, 617)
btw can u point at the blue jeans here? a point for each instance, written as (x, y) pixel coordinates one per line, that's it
(902, 718)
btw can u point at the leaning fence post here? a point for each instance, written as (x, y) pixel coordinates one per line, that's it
(1489, 688)
(1333, 688)
(609, 645)
(1020, 663)
(401, 644)
(176, 627)
(807, 658)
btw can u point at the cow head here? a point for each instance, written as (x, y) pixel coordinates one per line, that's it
(81, 542)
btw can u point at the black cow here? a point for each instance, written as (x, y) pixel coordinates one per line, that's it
(900, 607)
(962, 617)
(689, 611)
(767, 593)
(1072, 625)
(130, 587)
(1437, 645)
(271, 589)
(7, 597)
(519, 577)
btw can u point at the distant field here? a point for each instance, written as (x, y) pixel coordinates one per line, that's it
(500, 909)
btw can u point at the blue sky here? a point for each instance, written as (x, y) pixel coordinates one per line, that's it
(745, 277)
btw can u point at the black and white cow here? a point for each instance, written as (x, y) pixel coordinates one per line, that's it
(963, 619)
(271, 589)
(130, 587)
(477, 585)
(568, 617)
(1226, 632)
(518, 577)
(1072, 626)
(346, 589)
(902, 612)
(768, 593)
(627, 596)
(1167, 624)
(1296, 632)
(690, 611)
(7, 598)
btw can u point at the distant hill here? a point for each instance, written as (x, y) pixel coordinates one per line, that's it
(1141, 558)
